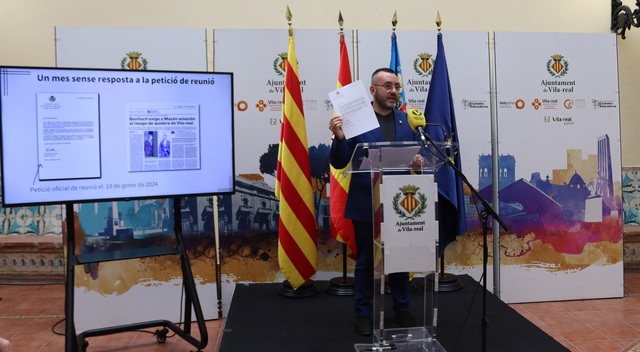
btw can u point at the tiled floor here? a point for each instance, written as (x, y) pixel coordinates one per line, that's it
(31, 318)
(598, 325)
(29, 314)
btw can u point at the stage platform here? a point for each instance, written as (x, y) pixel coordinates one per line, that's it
(260, 319)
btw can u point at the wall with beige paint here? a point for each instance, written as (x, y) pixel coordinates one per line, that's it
(27, 27)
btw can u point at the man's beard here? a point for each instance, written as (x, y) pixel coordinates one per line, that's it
(387, 103)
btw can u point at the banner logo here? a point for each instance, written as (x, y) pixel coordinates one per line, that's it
(557, 67)
(261, 105)
(474, 104)
(409, 207)
(134, 64)
(568, 104)
(423, 65)
(603, 104)
(536, 103)
(279, 64)
(242, 105)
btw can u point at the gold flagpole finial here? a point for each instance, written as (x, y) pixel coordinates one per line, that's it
(394, 21)
(340, 21)
(438, 21)
(289, 17)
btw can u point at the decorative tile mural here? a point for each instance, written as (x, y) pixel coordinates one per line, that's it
(631, 195)
(630, 206)
(40, 254)
(35, 220)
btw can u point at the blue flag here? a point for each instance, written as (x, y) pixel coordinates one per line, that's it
(397, 68)
(441, 126)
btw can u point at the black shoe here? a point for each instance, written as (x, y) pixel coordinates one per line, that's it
(406, 320)
(364, 325)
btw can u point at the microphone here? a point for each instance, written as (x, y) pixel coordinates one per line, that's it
(417, 122)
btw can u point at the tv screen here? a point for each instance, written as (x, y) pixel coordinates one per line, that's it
(78, 135)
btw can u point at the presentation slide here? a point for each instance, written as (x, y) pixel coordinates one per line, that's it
(77, 135)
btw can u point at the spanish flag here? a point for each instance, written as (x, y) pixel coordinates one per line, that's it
(297, 245)
(339, 179)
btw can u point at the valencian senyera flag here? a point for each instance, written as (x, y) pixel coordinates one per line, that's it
(339, 179)
(441, 126)
(397, 68)
(297, 245)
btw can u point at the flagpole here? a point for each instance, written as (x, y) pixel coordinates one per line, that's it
(308, 288)
(395, 64)
(446, 282)
(342, 285)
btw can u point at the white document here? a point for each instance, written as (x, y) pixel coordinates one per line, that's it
(371, 162)
(353, 103)
(68, 135)
(398, 157)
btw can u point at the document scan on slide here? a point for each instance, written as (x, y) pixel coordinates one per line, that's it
(163, 137)
(68, 135)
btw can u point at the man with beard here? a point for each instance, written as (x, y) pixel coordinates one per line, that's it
(385, 89)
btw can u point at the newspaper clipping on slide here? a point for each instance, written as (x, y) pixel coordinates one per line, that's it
(164, 137)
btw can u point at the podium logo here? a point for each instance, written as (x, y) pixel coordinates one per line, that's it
(409, 207)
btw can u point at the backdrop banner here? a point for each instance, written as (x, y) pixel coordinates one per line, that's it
(149, 288)
(560, 190)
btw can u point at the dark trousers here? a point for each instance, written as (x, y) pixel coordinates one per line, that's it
(363, 275)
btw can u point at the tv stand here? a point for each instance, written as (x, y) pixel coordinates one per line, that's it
(78, 343)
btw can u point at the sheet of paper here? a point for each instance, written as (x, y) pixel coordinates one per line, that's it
(372, 161)
(398, 157)
(353, 103)
(68, 135)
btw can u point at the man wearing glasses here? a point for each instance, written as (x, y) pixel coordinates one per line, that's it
(385, 89)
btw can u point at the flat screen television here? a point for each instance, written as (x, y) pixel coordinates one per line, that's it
(79, 135)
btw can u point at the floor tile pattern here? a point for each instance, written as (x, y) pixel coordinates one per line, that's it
(31, 318)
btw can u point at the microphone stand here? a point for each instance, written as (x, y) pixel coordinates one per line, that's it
(446, 282)
(486, 212)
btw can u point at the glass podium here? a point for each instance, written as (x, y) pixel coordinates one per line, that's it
(405, 238)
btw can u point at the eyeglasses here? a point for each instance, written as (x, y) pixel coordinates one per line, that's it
(389, 86)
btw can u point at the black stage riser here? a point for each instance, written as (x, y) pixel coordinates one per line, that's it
(260, 319)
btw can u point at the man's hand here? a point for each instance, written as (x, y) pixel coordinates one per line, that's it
(335, 125)
(417, 162)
